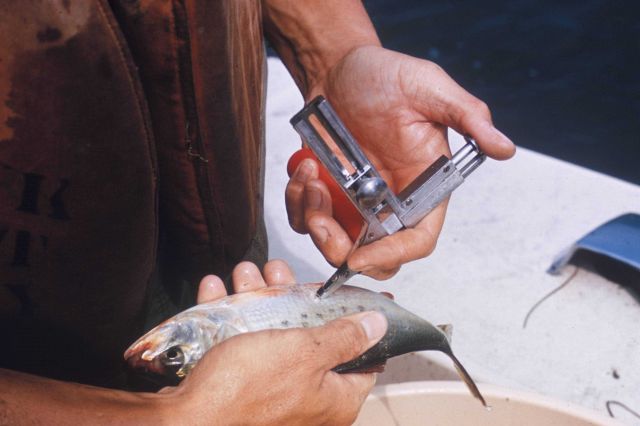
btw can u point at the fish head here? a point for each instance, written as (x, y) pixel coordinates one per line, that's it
(174, 347)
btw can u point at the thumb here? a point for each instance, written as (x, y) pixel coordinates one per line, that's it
(454, 107)
(350, 336)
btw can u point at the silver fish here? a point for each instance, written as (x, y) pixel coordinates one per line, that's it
(176, 345)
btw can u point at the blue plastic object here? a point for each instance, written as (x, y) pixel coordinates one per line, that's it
(611, 250)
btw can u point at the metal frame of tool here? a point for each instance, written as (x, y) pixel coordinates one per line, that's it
(384, 212)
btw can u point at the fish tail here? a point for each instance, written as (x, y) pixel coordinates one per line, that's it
(467, 379)
(447, 330)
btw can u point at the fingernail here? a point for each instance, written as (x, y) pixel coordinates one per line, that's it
(313, 198)
(375, 325)
(303, 172)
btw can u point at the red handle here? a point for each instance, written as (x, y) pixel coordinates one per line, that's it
(344, 211)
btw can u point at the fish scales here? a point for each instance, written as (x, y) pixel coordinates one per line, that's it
(175, 346)
(301, 308)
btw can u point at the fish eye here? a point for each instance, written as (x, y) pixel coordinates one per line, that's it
(173, 356)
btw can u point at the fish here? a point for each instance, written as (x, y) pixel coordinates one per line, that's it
(175, 346)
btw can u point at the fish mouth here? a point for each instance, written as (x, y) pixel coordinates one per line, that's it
(140, 358)
(152, 371)
(133, 351)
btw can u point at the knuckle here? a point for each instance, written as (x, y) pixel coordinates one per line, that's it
(342, 337)
(347, 328)
(293, 192)
(296, 222)
(480, 108)
(404, 255)
(349, 334)
(431, 67)
(293, 205)
(428, 248)
(425, 242)
(388, 273)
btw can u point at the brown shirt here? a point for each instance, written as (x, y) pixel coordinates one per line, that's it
(130, 166)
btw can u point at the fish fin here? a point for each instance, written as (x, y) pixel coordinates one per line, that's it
(447, 329)
(464, 375)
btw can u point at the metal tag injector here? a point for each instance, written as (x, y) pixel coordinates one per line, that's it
(384, 212)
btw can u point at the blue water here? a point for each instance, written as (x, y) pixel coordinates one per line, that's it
(561, 77)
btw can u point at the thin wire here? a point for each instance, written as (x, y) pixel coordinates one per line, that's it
(611, 402)
(548, 295)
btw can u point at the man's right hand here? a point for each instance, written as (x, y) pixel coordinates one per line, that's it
(276, 377)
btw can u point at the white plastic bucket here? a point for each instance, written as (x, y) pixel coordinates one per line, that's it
(445, 403)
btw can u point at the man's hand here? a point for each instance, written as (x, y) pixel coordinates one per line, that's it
(274, 377)
(398, 108)
(277, 377)
(246, 277)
